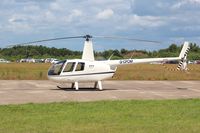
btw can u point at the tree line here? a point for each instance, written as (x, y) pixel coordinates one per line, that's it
(33, 51)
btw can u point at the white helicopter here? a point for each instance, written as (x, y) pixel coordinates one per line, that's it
(88, 70)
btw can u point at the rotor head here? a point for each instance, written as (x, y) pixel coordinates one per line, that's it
(87, 37)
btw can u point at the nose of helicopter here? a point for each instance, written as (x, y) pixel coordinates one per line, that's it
(55, 70)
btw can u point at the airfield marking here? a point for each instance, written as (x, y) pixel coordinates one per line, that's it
(35, 91)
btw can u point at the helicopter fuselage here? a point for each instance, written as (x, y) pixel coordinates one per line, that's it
(79, 70)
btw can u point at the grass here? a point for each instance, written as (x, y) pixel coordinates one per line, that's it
(166, 116)
(23, 71)
(26, 71)
(156, 72)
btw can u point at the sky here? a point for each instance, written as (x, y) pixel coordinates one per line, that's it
(168, 21)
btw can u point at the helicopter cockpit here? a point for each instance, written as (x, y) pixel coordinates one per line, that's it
(65, 66)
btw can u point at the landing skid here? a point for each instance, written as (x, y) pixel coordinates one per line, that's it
(97, 85)
(60, 87)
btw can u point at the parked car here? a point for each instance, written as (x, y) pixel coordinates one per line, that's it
(48, 60)
(4, 61)
(198, 62)
(28, 60)
(55, 61)
(39, 60)
(51, 60)
(22, 60)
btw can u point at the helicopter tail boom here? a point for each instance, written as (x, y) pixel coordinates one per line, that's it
(183, 54)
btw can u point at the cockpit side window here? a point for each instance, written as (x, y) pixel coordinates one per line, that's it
(80, 66)
(69, 67)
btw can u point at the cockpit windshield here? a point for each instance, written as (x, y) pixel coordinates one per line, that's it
(56, 68)
(66, 67)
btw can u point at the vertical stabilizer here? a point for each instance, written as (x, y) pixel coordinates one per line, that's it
(88, 53)
(184, 50)
(183, 57)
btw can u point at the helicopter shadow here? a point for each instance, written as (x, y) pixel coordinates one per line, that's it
(81, 89)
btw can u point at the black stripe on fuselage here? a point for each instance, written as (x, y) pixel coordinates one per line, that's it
(82, 74)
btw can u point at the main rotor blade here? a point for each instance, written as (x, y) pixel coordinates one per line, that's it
(87, 37)
(52, 39)
(126, 38)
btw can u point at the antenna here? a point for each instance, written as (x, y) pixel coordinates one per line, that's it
(111, 56)
(132, 55)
